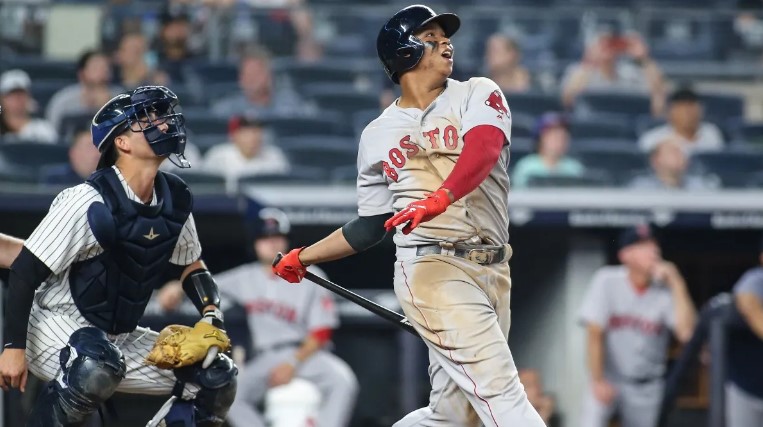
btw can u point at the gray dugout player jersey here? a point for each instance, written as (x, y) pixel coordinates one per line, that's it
(278, 312)
(406, 153)
(637, 325)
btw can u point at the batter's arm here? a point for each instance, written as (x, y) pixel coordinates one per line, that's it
(356, 236)
(751, 308)
(9, 249)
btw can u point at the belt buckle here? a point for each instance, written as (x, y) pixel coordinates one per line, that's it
(480, 256)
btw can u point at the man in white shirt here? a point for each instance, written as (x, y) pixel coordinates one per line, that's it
(685, 124)
(247, 153)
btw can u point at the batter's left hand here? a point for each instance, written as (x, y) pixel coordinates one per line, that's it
(420, 211)
(281, 374)
(289, 267)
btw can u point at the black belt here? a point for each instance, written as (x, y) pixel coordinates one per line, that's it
(480, 254)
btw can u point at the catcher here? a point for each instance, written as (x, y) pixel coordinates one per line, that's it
(85, 275)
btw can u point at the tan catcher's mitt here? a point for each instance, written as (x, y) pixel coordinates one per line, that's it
(179, 345)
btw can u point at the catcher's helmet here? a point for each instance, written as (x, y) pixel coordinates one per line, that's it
(398, 49)
(144, 109)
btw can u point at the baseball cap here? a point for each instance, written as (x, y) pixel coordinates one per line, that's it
(549, 120)
(683, 94)
(636, 234)
(14, 80)
(237, 122)
(272, 222)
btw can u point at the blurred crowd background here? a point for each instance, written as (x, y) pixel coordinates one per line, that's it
(646, 97)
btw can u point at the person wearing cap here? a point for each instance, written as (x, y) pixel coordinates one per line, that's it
(744, 385)
(685, 123)
(669, 162)
(552, 139)
(629, 313)
(291, 330)
(248, 152)
(16, 106)
(87, 95)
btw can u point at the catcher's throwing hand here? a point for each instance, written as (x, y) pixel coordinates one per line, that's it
(420, 211)
(178, 345)
(289, 267)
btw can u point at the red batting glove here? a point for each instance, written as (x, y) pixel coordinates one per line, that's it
(420, 211)
(289, 267)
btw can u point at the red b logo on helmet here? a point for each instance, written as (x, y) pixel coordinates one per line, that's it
(495, 101)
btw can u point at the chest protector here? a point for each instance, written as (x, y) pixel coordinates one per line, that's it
(111, 290)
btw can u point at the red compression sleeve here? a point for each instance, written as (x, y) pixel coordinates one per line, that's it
(482, 148)
(321, 335)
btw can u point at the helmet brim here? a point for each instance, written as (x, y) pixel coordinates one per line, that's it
(449, 22)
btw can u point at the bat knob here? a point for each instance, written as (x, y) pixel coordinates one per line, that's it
(277, 259)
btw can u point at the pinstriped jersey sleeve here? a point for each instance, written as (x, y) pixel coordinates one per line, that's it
(64, 233)
(188, 249)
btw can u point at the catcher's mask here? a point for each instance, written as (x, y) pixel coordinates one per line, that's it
(144, 109)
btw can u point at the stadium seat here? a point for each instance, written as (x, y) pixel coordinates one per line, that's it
(33, 156)
(341, 97)
(630, 105)
(216, 72)
(353, 73)
(750, 133)
(301, 175)
(672, 36)
(733, 167)
(621, 164)
(328, 124)
(326, 156)
(206, 141)
(200, 122)
(533, 104)
(589, 179)
(42, 91)
(70, 122)
(720, 108)
(42, 69)
(600, 127)
(344, 174)
(202, 182)
(603, 144)
(314, 141)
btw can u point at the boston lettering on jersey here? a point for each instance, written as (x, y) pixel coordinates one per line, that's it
(449, 139)
(276, 308)
(642, 325)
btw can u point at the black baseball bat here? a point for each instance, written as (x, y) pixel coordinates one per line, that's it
(379, 310)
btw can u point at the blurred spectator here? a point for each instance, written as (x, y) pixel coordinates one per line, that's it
(685, 124)
(285, 27)
(247, 153)
(92, 91)
(542, 402)
(669, 163)
(748, 25)
(258, 96)
(83, 159)
(552, 139)
(744, 388)
(629, 311)
(173, 46)
(604, 68)
(132, 69)
(503, 64)
(16, 105)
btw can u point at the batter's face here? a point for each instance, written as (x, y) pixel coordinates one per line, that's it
(438, 52)
(267, 248)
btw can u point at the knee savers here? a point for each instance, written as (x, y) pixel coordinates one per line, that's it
(217, 391)
(91, 369)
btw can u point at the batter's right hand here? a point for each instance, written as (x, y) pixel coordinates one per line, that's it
(604, 391)
(289, 267)
(13, 369)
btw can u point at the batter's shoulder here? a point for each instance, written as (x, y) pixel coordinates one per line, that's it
(482, 82)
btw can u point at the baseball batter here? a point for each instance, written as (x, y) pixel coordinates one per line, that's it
(86, 273)
(629, 312)
(432, 167)
(291, 328)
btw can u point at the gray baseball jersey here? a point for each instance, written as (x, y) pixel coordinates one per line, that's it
(278, 314)
(637, 328)
(62, 238)
(281, 316)
(406, 153)
(460, 308)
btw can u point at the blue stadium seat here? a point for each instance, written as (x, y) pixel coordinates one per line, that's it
(629, 105)
(42, 91)
(199, 121)
(344, 174)
(750, 133)
(33, 156)
(299, 175)
(215, 72)
(621, 164)
(331, 70)
(327, 124)
(298, 142)
(533, 103)
(603, 144)
(522, 126)
(600, 127)
(206, 141)
(341, 98)
(325, 156)
(362, 118)
(40, 68)
(719, 108)
(733, 167)
(201, 182)
(589, 179)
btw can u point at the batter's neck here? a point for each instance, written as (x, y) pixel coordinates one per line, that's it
(419, 95)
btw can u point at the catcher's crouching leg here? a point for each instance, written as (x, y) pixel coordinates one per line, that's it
(217, 391)
(91, 369)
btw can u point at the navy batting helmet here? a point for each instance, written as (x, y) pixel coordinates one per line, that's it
(144, 109)
(398, 49)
